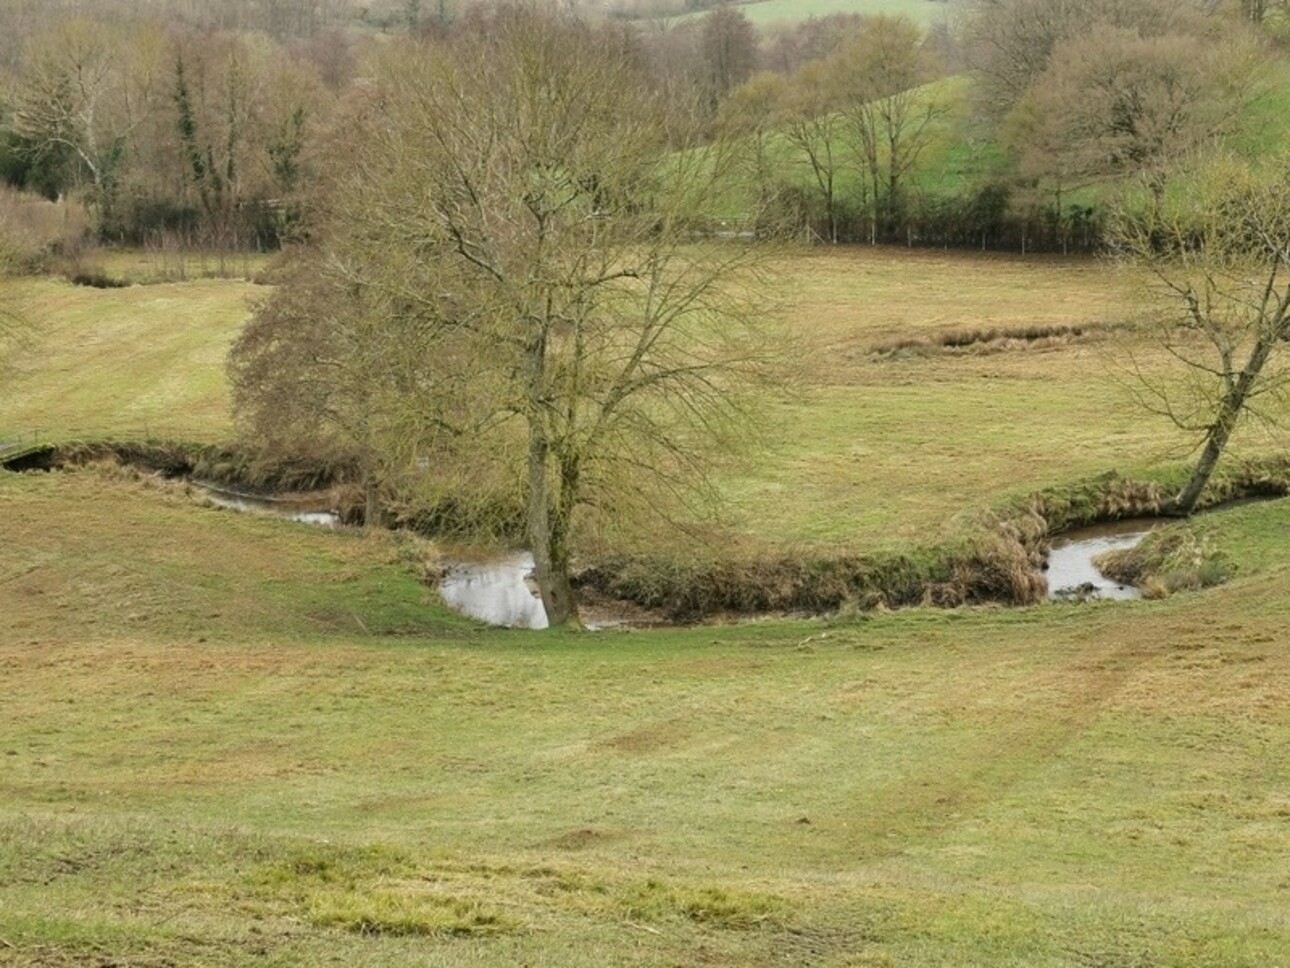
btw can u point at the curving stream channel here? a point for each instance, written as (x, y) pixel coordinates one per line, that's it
(1070, 570)
(500, 591)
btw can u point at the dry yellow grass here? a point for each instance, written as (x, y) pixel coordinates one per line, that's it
(343, 774)
(881, 448)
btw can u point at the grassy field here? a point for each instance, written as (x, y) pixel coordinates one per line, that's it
(230, 740)
(234, 741)
(984, 422)
(769, 12)
(135, 362)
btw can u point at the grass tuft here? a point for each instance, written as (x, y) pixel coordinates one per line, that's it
(406, 912)
(726, 908)
(1173, 559)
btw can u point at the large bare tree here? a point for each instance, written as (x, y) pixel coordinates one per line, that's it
(817, 133)
(512, 197)
(881, 73)
(728, 45)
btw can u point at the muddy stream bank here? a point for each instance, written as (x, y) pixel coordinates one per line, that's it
(1017, 560)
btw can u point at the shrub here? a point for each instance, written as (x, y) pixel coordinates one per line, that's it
(33, 229)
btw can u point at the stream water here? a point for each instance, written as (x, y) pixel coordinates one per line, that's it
(499, 591)
(1071, 571)
(304, 511)
(495, 591)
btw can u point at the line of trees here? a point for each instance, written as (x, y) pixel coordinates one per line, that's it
(200, 131)
(198, 135)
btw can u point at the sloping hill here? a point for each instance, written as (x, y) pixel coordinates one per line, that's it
(232, 741)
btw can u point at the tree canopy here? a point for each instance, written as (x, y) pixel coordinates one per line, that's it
(526, 258)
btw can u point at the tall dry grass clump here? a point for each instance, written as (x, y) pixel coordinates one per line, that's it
(34, 230)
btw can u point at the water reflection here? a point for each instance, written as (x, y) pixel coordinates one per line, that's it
(495, 591)
(277, 507)
(1071, 571)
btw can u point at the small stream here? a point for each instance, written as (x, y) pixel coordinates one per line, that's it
(495, 591)
(1070, 570)
(301, 510)
(501, 592)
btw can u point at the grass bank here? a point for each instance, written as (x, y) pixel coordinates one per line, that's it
(233, 741)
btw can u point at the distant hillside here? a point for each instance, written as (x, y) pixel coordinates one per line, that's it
(765, 12)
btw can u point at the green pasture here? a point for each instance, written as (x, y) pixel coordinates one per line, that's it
(962, 154)
(236, 741)
(135, 362)
(230, 740)
(880, 443)
(770, 12)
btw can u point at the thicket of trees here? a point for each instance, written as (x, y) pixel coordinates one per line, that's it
(1103, 89)
(201, 136)
(194, 120)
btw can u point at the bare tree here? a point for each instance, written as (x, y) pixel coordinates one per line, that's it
(753, 113)
(86, 88)
(881, 73)
(332, 369)
(514, 198)
(1009, 42)
(1113, 102)
(239, 114)
(814, 127)
(728, 45)
(1223, 268)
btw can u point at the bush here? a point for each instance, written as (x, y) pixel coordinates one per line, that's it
(33, 229)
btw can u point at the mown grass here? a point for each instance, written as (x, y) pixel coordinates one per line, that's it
(887, 448)
(231, 741)
(916, 405)
(133, 362)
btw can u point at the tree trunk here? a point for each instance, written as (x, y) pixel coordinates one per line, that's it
(1185, 501)
(373, 514)
(547, 537)
(1220, 431)
(547, 526)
